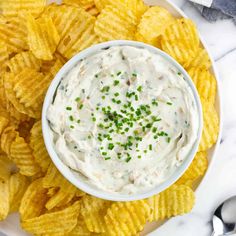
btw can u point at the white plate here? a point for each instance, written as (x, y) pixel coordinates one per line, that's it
(10, 227)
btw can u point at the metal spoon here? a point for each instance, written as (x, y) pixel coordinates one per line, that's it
(224, 218)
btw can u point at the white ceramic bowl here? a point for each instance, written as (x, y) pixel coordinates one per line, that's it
(79, 180)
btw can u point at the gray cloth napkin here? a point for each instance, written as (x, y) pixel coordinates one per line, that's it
(219, 9)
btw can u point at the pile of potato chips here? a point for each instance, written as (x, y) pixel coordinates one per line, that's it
(35, 41)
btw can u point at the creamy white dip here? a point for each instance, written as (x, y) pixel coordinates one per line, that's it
(125, 118)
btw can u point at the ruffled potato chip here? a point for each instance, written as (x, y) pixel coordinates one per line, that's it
(136, 6)
(43, 37)
(33, 201)
(205, 83)
(197, 169)
(61, 198)
(14, 7)
(181, 40)
(176, 200)
(200, 61)
(79, 37)
(22, 60)
(5, 168)
(126, 218)
(81, 229)
(21, 154)
(37, 144)
(8, 136)
(115, 22)
(210, 126)
(17, 186)
(93, 211)
(4, 54)
(14, 35)
(57, 223)
(152, 24)
(3, 123)
(4, 199)
(26, 91)
(85, 4)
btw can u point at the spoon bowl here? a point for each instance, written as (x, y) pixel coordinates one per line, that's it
(224, 218)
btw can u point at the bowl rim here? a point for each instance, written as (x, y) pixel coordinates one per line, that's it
(67, 173)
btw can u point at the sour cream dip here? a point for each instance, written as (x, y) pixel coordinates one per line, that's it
(125, 118)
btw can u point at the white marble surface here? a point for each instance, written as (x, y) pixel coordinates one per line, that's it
(220, 183)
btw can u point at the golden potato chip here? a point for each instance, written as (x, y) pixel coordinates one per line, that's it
(176, 200)
(3, 53)
(58, 222)
(80, 36)
(200, 61)
(81, 229)
(181, 40)
(3, 123)
(13, 7)
(33, 201)
(5, 168)
(55, 67)
(93, 211)
(17, 186)
(115, 22)
(210, 126)
(13, 34)
(152, 24)
(61, 198)
(195, 170)
(53, 178)
(85, 4)
(126, 218)
(26, 91)
(136, 6)
(93, 11)
(37, 144)
(22, 60)
(43, 37)
(4, 199)
(100, 4)
(8, 136)
(21, 154)
(52, 191)
(205, 83)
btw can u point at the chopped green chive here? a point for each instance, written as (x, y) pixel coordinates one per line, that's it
(71, 118)
(68, 108)
(139, 88)
(77, 99)
(116, 82)
(96, 75)
(128, 159)
(139, 156)
(134, 74)
(116, 94)
(118, 73)
(72, 126)
(150, 147)
(81, 106)
(169, 103)
(110, 146)
(107, 158)
(78, 121)
(104, 153)
(168, 139)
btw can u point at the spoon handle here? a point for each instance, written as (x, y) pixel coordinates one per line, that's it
(214, 234)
